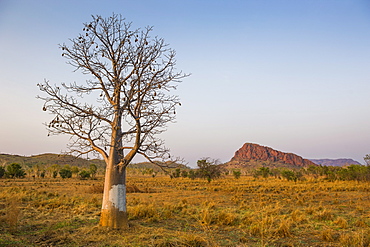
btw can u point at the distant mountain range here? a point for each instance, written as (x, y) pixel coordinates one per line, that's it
(335, 162)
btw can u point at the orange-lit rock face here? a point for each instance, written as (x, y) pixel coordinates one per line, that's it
(251, 151)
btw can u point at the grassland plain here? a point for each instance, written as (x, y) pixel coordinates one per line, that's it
(185, 212)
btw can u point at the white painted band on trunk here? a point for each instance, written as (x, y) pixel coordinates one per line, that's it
(117, 197)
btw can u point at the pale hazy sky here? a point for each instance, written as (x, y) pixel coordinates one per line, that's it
(291, 75)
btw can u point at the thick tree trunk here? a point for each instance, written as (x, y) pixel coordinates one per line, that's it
(114, 211)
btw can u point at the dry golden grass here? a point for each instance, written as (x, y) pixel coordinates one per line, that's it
(184, 212)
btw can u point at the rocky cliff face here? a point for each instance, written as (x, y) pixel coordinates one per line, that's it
(251, 151)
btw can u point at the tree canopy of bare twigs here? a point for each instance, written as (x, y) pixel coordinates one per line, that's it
(132, 74)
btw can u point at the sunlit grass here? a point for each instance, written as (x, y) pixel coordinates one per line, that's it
(185, 212)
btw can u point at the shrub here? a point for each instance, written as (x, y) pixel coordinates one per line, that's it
(236, 174)
(289, 175)
(192, 174)
(84, 174)
(265, 172)
(15, 170)
(184, 174)
(176, 173)
(262, 171)
(65, 173)
(209, 169)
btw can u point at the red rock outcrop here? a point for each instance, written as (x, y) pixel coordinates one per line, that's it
(251, 151)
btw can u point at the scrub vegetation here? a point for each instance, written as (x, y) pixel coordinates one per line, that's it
(242, 210)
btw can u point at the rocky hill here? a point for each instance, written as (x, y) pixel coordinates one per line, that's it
(48, 159)
(335, 162)
(255, 155)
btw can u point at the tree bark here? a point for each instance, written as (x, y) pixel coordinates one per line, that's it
(114, 210)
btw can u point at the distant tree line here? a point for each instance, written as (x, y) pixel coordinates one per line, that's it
(330, 173)
(281, 173)
(208, 169)
(15, 170)
(333, 173)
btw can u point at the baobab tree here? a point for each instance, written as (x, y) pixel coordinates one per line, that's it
(131, 78)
